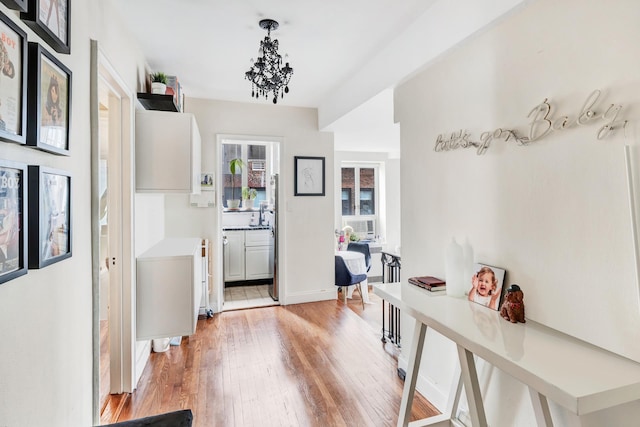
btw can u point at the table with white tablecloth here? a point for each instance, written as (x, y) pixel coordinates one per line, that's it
(356, 264)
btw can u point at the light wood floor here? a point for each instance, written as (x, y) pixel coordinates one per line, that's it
(315, 364)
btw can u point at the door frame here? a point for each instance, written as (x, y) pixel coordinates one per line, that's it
(276, 162)
(122, 293)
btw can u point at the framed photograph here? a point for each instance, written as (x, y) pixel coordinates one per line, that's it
(49, 216)
(308, 176)
(486, 286)
(51, 20)
(20, 5)
(49, 102)
(13, 81)
(206, 181)
(13, 234)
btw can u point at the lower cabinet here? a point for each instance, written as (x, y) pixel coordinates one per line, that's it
(258, 262)
(169, 289)
(248, 255)
(233, 256)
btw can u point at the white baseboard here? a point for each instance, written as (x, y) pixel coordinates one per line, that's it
(143, 351)
(312, 296)
(427, 388)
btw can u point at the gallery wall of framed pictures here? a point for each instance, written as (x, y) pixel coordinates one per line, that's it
(35, 107)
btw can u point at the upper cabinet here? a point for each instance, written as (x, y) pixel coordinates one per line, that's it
(167, 152)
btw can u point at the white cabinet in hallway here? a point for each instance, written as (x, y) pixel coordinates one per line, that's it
(169, 289)
(167, 152)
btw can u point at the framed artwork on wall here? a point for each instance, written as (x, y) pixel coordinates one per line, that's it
(13, 81)
(13, 234)
(51, 20)
(308, 176)
(20, 5)
(486, 286)
(206, 181)
(49, 216)
(49, 102)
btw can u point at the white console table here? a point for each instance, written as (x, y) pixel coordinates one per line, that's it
(576, 375)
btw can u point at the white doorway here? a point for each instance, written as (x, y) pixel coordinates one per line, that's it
(249, 273)
(111, 187)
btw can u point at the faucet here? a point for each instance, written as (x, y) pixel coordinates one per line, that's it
(261, 217)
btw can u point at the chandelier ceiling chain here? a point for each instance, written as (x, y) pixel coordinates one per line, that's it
(267, 73)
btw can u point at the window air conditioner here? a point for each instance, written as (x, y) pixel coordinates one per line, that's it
(363, 228)
(257, 165)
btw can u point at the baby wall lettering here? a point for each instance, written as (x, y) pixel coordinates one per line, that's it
(542, 124)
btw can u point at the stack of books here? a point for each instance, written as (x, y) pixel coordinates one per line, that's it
(430, 283)
(174, 88)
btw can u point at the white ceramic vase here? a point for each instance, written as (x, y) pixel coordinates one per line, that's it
(247, 203)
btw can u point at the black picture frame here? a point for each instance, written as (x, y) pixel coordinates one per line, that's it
(13, 72)
(49, 216)
(20, 5)
(38, 16)
(49, 118)
(13, 227)
(309, 179)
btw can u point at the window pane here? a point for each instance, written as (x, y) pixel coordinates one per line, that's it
(346, 202)
(229, 152)
(256, 168)
(367, 191)
(367, 202)
(348, 191)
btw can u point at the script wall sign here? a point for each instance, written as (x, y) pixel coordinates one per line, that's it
(542, 124)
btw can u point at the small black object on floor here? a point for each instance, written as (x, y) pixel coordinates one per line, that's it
(183, 418)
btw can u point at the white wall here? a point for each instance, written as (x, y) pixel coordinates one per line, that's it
(306, 223)
(555, 214)
(46, 315)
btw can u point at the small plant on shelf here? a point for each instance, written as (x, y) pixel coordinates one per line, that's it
(159, 77)
(158, 83)
(249, 193)
(248, 196)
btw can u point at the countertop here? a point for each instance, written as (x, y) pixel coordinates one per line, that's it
(246, 227)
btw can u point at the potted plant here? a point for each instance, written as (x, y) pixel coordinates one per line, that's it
(248, 196)
(235, 166)
(158, 83)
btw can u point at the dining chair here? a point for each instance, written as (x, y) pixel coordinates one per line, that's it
(363, 248)
(345, 278)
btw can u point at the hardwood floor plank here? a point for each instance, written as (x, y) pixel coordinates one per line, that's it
(315, 364)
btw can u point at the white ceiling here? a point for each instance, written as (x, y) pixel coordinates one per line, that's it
(208, 44)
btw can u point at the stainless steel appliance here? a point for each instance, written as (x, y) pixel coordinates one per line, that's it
(274, 289)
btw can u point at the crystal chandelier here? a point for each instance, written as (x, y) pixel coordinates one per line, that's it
(267, 73)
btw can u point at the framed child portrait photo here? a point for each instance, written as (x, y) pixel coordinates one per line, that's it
(49, 102)
(486, 286)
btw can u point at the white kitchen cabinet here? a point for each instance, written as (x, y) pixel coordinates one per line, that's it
(234, 256)
(169, 289)
(258, 262)
(167, 152)
(248, 255)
